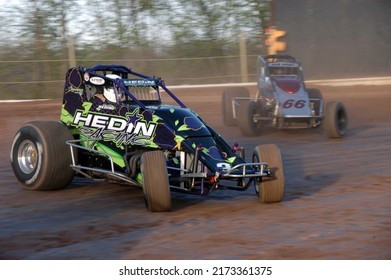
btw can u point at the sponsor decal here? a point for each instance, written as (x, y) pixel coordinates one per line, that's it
(76, 90)
(131, 129)
(97, 81)
(139, 82)
(105, 107)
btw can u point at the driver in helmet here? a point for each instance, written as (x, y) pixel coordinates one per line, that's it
(108, 89)
(279, 71)
(107, 93)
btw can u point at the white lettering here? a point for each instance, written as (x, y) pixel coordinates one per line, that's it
(223, 166)
(117, 124)
(146, 131)
(130, 128)
(99, 121)
(112, 125)
(79, 117)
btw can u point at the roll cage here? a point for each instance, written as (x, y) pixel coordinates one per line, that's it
(133, 84)
(279, 65)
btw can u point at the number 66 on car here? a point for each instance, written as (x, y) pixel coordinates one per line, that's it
(282, 101)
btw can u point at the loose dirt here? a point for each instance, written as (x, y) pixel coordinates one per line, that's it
(337, 202)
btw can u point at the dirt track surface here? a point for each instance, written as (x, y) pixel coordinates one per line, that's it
(337, 202)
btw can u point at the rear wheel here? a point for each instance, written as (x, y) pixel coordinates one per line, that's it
(40, 158)
(229, 94)
(270, 189)
(335, 120)
(249, 113)
(155, 182)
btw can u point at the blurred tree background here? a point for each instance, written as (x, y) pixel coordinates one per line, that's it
(184, 42)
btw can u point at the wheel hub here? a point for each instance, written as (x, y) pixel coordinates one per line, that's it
(27, 156)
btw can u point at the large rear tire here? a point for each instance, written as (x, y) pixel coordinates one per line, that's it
(248, 118)
(270, 189)
(155, 182)
(40, 158)
(229, 94)
(335, 120)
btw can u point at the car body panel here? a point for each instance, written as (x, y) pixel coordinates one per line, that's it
(282, 88)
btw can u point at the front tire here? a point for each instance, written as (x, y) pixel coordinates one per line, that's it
(270, 189)
(40, 158)
(249, 113)
(335, 120)
(155, 181)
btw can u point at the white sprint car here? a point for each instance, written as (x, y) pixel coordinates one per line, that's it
(282, 101)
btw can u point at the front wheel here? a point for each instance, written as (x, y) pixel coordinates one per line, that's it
(155, 181)
(249, 114)
(40, 158)
(335, 120)
(270, 189)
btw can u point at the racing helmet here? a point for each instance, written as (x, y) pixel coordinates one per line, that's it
(108, 89)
